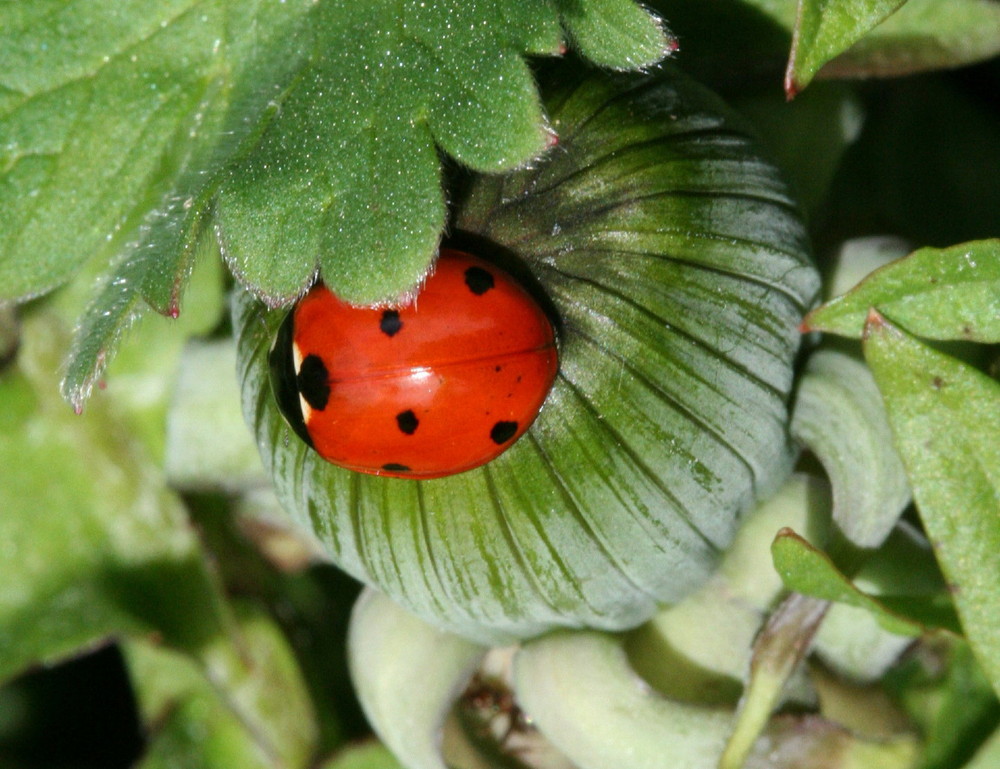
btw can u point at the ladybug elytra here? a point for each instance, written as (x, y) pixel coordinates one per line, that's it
(440, 386)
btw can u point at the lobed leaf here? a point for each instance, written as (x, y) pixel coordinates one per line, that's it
(677, 267)
(616, 33)
(318, 122)
(945, 417)
(346, 181)
(938, 293)
(112, 112)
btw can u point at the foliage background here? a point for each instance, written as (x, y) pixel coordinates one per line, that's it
(912, 156)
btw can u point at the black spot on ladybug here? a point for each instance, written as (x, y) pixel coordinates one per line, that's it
(478, 280)
(503, 432)
(407, 421)
(498, 369)
(313, 382)
(390, 323)
(394, 467)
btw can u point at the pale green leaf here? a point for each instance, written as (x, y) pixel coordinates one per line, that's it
(407, 675)
(584, 697)
(838, 415)
(207, 444)
(945, 416)
(938, 293)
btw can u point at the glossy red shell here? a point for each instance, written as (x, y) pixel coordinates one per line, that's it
(434, 388)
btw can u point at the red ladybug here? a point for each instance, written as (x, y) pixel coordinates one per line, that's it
(437, 387)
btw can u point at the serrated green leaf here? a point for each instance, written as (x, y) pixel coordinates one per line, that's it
(678, 268)
(115, 308)
(95, 544)
(616, 33)
(347, 180)
(838, 415)
(825, 28)
(945, 417)
(938, 293)
(119, 110)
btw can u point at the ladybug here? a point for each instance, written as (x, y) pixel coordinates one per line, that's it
(437, 387)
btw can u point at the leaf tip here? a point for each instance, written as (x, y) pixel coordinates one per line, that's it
(792, 87)
(874, 322)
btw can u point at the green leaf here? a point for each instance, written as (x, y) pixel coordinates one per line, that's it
(946, 418)
(807, 570)
(584, 697)
(678, 269)
(903, 577)
(826, 28)
(408, 676)
(923, 35)
(616, 33)
(248, 705)
(346, 180)
(114, 309)
(839, 416)
(122, 115)
(96, 544)
(319, 121)
(949, 293)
